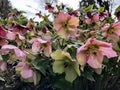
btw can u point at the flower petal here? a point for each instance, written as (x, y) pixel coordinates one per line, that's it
(26, 73)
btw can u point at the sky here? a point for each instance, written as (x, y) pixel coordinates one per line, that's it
(33, 6)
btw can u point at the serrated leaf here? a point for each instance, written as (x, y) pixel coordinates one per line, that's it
(89, 8)
(71, 74)
(101, 9)
(58, 67)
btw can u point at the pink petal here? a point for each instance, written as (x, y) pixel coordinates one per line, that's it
(109, 52)
(73, 21)
(11, 35)
(3, 65)
(26, 73)
(36, 46)
(20, 54)
(95, 17)
(95, 60)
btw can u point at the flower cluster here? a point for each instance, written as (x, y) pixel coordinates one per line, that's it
(70, 43)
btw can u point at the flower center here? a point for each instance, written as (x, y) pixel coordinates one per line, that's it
(110, 31)
(92, 49)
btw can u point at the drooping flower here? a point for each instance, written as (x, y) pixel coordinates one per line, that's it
(19, 28)
(93, 52)
(49, 7)
(16, 36)
(111, 31)
(25, 71)
(66, 25)
(3, 65)
(13, 51)
(38, 45)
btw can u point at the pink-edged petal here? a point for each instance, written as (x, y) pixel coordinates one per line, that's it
(26, 73)
(11, 35)
(20, 54)
(81, 58)
(94, 61)
(9, 47)
(95, 17)
(109, 52)
(36, 47)
(73, 21)
(57, 26)
(3, 65)
(62, 17)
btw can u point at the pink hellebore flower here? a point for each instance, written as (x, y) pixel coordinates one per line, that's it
(111, 31)
(92, 18)
(15, 36)
(39, 44)
(3, 65)
(66, 25)
(93, 52)
(25, 71)
(13, 50)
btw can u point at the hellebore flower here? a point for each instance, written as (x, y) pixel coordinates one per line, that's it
(49, 7)
(15, 36)
(93, 52)
(66, 25)
(3, 65)
(19, 28)
(13, 51)
(111, 31)
(39, 44)
(25, 71)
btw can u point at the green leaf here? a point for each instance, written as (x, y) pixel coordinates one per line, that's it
(2, 79)
(89, 76)
(57, 55)
(101, 9)
(1, 57)
(117, 9)
(89, 8)
(58, 67)
(36, 78)
(40, 65)
(71, 74)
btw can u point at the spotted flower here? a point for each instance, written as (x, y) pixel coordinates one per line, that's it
(66, 25)
(93, 52)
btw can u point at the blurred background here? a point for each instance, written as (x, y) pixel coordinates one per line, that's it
(31, 7)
